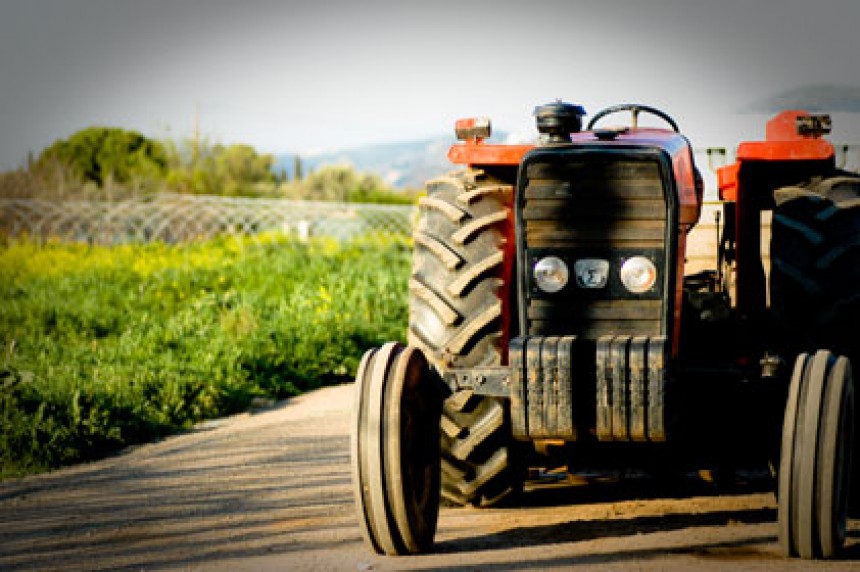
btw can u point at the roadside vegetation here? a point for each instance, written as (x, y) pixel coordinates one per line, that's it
(110, 163)
(104, 347)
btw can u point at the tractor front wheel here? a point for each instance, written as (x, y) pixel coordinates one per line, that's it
(815, 461)
(395, 450)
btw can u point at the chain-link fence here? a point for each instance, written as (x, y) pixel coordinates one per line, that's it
(174, 218)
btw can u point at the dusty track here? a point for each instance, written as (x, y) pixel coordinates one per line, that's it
(271, 491)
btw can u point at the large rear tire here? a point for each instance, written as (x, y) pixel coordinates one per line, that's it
(815, 265)
(458, 294)
(479, 465)
(815, 270)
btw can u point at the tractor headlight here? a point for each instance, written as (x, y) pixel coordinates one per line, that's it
(638, 274)
(551, 274)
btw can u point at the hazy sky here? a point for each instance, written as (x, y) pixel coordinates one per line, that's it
(290, 76)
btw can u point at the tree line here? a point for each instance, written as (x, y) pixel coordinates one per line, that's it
(107, 162)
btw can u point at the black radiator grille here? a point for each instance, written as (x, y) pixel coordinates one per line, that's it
(606, 206)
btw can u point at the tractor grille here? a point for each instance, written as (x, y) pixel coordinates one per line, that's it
(608, 206)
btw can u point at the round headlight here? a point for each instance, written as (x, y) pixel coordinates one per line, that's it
(551, 274)
(638, 274)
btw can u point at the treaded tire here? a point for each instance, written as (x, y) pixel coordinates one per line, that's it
(815, 462)
(815, 272)
(457, 287)
(395, 466)
(457, 298)
(815, 261)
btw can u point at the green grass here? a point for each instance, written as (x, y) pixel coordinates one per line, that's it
(105, 347)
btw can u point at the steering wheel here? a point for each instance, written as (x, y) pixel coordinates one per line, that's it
(634, 109)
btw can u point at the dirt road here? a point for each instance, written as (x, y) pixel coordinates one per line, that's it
(271, 491)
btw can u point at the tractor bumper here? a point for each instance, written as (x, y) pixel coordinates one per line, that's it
(561, 387)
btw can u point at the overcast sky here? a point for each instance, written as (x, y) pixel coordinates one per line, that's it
(289, 76)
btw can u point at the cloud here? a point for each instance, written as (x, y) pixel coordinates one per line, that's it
(814, 98)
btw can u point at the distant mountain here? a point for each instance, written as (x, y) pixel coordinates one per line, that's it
(815, 98)
(403, 165)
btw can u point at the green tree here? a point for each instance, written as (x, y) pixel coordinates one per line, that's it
(242, 170)
(343, 183)
(108, 154)
(233, 170)
(337, 182)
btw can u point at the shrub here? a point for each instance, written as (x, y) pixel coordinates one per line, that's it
(105, 347)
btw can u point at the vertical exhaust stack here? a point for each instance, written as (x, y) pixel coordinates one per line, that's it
(556, 121)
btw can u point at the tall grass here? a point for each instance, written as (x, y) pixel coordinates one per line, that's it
(104, 347)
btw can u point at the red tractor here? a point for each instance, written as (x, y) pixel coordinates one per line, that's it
(552, 324)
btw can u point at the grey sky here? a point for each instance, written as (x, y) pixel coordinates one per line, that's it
(293, 76)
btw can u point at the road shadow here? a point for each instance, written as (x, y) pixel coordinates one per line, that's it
(282, 488)
(731, 552)
(579, 530)
(617, 487)
(754, 546)
(194, 501)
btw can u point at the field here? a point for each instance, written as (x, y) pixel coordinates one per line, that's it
(105, 347)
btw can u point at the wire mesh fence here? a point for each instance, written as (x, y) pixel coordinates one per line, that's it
(176, 218)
